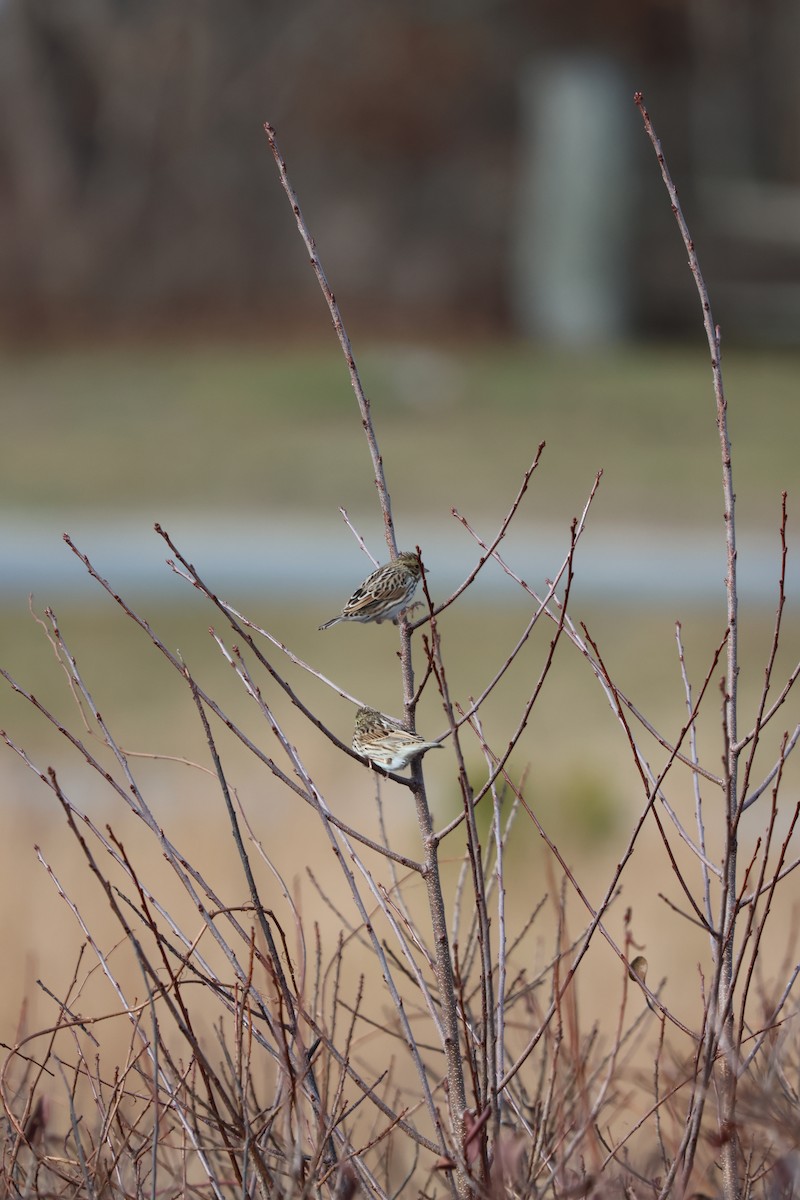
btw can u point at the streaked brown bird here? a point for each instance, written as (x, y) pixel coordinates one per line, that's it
(387, 742)
(384, 594)
(637, 971)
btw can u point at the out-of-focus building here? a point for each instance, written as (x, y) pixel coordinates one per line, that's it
(465, 165)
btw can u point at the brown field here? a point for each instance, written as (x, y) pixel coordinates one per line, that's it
(581, 781)
(574, 758)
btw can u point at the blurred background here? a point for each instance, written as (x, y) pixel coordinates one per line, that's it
(492, 219)
(465, 166)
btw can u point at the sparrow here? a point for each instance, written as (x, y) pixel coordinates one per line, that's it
(384, 594)
(387, 742)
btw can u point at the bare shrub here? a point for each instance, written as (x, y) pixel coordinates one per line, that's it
(255, 1063)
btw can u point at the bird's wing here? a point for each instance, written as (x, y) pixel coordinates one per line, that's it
(364, 598)
(400, 738)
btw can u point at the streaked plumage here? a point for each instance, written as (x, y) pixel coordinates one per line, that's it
(387, 742)
(384, 594)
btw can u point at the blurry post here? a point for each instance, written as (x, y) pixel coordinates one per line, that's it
(570, 247)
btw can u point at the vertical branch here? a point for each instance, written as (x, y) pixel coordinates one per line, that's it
(486, 1074)
(443, 967)
(723, 940)
(443, 961)
(344, 342)
(696, 786)
(498, 1050)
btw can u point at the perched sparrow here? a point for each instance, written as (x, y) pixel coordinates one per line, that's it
(387, 742)
(384, 594)
(637, 970)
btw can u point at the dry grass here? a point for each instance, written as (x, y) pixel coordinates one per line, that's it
(581, 785)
